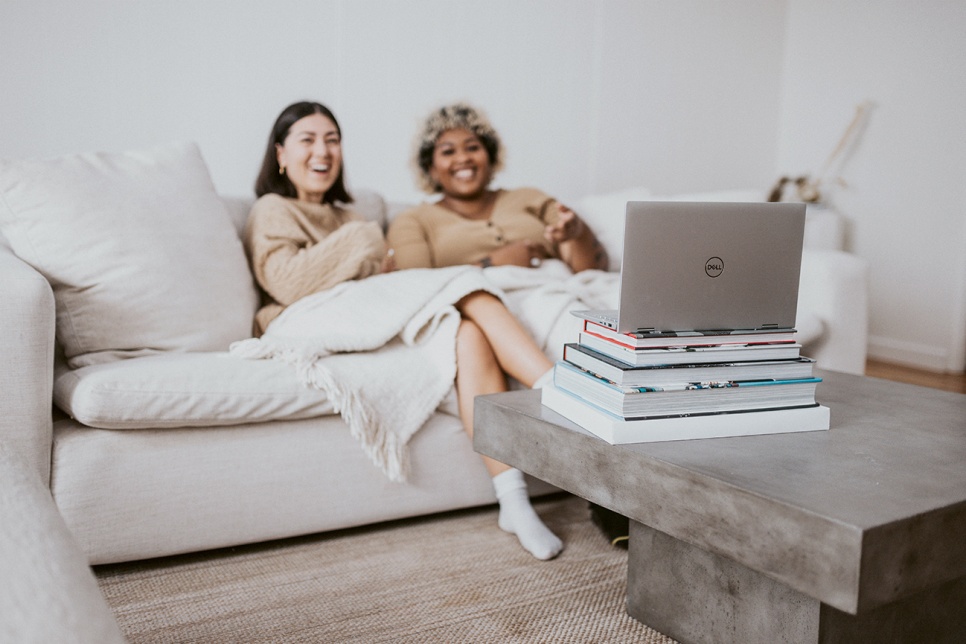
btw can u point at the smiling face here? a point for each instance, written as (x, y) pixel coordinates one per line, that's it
(461, 165)
(311, 156)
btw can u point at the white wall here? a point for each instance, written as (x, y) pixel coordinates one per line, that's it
(588, 96)
(905, 197)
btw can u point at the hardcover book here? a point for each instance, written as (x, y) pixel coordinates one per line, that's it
(692, 355)
(616, 430)
(627, 375)
(661, 339)
(684, 399)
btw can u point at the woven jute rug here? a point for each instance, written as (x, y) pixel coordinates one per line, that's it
(453, 577)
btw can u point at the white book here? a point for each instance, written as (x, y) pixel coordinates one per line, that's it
(616, 430)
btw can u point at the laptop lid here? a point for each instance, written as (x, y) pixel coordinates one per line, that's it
(710, 266)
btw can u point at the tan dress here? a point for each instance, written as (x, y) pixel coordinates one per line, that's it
(431, 236)
(297, 248)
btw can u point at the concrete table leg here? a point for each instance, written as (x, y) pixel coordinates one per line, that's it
(694, 595)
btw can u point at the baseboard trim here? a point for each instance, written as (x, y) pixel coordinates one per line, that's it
(909, 354)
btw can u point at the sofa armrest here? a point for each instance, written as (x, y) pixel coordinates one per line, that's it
(27, 354)
(833, 287)
(48, 592)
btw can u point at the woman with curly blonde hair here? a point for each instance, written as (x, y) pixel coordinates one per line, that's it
(458, 152)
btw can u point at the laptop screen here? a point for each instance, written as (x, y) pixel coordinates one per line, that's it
(710, 266)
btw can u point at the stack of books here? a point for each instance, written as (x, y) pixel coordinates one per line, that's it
(633, 388)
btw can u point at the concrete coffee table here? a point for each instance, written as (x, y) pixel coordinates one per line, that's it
(853, 534)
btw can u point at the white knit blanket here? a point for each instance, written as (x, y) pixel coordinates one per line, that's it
(383, 348)
(542, 299)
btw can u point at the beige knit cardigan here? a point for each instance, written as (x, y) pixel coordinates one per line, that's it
(431, 236)
(297, 248)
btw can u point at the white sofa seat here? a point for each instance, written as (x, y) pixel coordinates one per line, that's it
(165, 444)
(180, 448)
(134, 494)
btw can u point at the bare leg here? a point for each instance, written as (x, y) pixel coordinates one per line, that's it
(478, 372)
(517, 353)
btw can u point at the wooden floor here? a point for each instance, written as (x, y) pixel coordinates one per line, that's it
(947, 381)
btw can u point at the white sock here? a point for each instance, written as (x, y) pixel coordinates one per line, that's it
(518, 517)
(544, 380)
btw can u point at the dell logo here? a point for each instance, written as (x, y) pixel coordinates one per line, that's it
(714, 266)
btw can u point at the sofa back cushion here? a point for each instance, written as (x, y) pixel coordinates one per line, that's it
(604, 213)
(366, 202)
(139, 249)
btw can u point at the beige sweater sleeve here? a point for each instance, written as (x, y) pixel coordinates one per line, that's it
(411, 241)
(297, 251)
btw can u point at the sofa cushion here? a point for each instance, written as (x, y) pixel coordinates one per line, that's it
(139, 250)
(810, 328)
(365, 202)
(604, 213)
(185, 390)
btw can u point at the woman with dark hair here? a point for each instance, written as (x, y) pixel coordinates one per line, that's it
(302, 240)
(457, 155)
(272, 178)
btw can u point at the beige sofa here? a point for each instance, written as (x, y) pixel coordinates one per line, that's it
(178, 446)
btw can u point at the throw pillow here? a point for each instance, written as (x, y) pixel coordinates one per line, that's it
(140, 251)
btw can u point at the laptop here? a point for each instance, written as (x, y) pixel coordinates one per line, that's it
(707, 267)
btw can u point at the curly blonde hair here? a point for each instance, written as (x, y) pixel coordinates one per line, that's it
(452, 117)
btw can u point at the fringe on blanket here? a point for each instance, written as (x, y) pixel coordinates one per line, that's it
(385, 371)
(383, 348)
(383, 448)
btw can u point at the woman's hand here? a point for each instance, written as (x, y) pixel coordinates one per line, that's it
(577, 245)
(389, 261)
(518, 253)
(568, 226)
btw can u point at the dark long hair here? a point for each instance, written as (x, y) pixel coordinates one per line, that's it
(270, 180)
